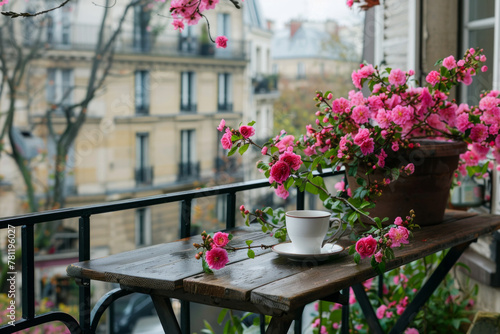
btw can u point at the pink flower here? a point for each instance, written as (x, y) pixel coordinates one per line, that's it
(398, 221)
(293, 160)
(221, 42)
(178, 24)
(323, 330)
(216, 258)
(280, 171)
(226, 141)
(381, 311)
(222, 124)
(264, 150)
(220, 239)
(349, 4)
(399, 235)
(366, 246)
(340, 105)
(401, 115)
(484, 68)
(356, 80)
(462, 122)
(397, 77)
(432, 78)
(340, 186)
(285, 142)
(381, 158)
(410, 330)
(360, 114)
(336, 324)
(379, 256)
(309, 151)
(479, 132)
(395, 146)
(449, 62)
(247, 131)
(282, 192)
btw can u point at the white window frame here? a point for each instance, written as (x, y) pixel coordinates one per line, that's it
(188, 92)
(142, 91)
(60, 82)
(225, 92)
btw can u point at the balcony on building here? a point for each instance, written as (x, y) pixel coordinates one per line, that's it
(189, 170)
(144, 175)
(84, 37)
(265, 84)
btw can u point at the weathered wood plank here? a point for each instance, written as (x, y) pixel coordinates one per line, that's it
(161, 266)
(291, 292)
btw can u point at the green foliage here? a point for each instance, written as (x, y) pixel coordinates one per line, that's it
(448, 310)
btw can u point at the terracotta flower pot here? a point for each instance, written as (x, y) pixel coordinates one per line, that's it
(426, 191)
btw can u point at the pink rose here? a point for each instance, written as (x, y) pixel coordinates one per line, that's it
(379, 256)
(247, 131)
(399, 235)
(381, 311)
(293, 160)
(398, 221)
(282, 192)
(264, 150)
(220, 239)
(280, 171)
(360, 114)
(432, 78)
(366, 246)
(285, 142)
(221, 42)
(226, 141)
(449, 62)
(222, 124)
(216, 258)
(397, 77)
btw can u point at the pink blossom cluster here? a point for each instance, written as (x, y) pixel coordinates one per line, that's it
(217, 257)
(190, 12)
(369, 246)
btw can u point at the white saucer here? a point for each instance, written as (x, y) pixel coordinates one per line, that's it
(328, 251)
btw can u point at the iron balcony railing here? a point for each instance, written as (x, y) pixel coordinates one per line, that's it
(144, 175)
(84, 37)
(189, 170)
(88, 319)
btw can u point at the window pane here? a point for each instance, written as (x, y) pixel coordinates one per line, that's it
(481, 9)
(481, 81)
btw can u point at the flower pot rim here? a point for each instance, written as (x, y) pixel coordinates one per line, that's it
(441, 148)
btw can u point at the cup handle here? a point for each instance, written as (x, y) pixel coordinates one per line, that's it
(337, 235)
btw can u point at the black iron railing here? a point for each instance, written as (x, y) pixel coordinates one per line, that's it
(87, 318)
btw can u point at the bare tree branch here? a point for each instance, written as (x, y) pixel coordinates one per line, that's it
(13, 15)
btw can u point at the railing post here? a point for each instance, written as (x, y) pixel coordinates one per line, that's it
(185, 230)
(301, 195)
(28, 270)
(231, 210)
(84, 255)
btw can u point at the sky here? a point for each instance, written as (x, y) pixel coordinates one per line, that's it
(281, 11)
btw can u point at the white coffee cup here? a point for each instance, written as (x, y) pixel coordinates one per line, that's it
(307, 229)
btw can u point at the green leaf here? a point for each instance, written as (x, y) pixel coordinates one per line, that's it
(394, 173)
(243, 149)
(221, 316)
(352, 249)
(248, 242)
(232, 150)
(274, 149)
(251, 253)
(251, 123)
(288, 183)
(361, 181)
(262, 165)
(357, 258)
(312, 189)
(204, 265)
(230, 236)
(268, 211)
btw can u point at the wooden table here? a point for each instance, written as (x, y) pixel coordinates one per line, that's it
(271, 284)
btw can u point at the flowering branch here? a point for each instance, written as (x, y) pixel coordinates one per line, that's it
(13, 15)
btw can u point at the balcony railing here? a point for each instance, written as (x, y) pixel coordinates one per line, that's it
(265, 83)
(88, 320)
(189, 170)
(83, 37)
(144, 175)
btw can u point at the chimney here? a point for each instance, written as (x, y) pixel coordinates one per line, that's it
(270, 25)
(294, 26)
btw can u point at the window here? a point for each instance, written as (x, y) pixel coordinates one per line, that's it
(225, 97)
(187, 40)
(224, 29)
(301, 70)
(143, 170)
(188, 166)
(142, 38)
(59, 27)
(142, 92)
(60, 85)
(221, 208)
(143, 227)
(188, 91)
